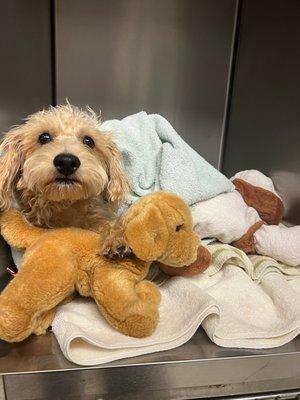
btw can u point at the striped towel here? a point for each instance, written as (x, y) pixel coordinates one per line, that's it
(255, 266)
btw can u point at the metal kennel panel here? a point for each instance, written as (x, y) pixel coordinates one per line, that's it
(264, 119)
(25, 52)
(25, 72)
(170, 57)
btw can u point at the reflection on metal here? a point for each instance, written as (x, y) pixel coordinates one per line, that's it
(36, 369)
(2, 393)
(270, 396)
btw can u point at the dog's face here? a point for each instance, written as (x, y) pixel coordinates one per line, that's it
(61, 154)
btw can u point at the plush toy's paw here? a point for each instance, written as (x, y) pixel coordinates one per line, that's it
(143, 317)
(141, 325)
(15, 324)
(134, 314)
(43, 322)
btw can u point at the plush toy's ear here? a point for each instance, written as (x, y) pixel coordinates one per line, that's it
(147, 234)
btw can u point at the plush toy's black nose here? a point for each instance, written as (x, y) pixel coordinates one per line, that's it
(66, 163)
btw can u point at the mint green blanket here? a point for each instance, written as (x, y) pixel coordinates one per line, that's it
(157, 158)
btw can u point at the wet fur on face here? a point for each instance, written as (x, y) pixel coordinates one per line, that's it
(29, 176)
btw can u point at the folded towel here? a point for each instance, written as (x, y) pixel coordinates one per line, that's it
(264, 265)
(85, 337)
(234, 310)
(251, 315)
(256, 266)
(157, 158)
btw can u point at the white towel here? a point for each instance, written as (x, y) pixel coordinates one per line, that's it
(226, 217)
(279, 242)
(235, 311)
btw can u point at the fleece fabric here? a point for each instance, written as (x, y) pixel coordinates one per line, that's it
(157, 158)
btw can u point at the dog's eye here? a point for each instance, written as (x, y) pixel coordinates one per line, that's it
(178, 227)
(45, 138)
(88, 141)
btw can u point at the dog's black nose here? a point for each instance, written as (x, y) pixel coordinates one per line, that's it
(66, 163)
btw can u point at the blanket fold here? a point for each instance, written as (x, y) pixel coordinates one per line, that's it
(240, 302)
(157, 158)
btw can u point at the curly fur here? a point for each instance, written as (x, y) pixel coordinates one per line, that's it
(28, 176)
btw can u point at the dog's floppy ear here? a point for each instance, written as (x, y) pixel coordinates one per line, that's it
(117, 187)
(10, 165)
(147, 234)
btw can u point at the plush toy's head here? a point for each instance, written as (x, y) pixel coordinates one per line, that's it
(159, 228)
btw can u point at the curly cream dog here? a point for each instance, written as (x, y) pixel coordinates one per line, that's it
(60, 170)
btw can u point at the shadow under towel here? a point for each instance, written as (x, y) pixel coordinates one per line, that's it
(157, 158)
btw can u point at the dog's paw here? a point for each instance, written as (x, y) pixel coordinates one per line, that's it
(115, 251)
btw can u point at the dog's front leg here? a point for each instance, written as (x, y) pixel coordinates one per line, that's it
(113, 242)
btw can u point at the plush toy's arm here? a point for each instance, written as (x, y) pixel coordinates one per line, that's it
(17, 231)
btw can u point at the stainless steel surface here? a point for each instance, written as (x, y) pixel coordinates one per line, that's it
(169, 57)
(36, 369)
(2, 393)
(25, 67)
(264, 124)
(270, 396)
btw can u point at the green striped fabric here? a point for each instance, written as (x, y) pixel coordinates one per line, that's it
(255, 266)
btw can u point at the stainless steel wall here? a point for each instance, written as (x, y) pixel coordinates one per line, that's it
(25, 59)
(25, 71)
(164, 56)
(264, 124)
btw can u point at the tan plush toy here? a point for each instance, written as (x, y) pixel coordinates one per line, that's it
(60, 262)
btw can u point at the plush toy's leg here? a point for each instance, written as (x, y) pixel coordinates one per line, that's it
(128, 304)
(43, 322)
(26, 303)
